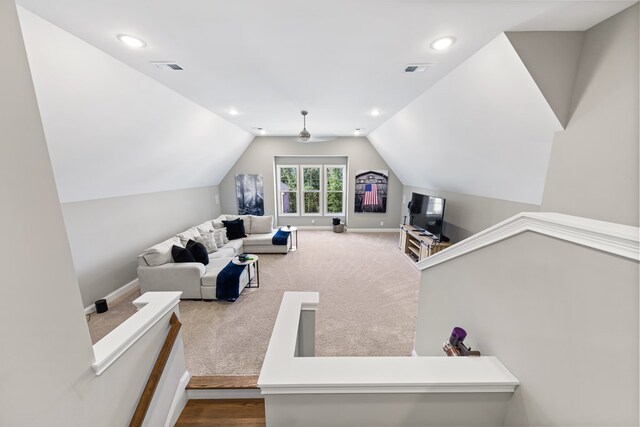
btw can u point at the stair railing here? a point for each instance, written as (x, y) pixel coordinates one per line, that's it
(156, 373)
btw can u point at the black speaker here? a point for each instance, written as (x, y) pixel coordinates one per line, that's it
(101, 306)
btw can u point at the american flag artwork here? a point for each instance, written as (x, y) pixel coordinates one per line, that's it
(371, 191)
(370, 194)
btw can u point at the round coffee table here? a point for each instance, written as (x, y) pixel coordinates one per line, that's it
(292, 229)
(252, 261)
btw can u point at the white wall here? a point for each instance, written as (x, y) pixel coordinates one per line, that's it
(134, 162)
(259, 158)
(561, 317)
(46, 357)
(106, 235)
(112, 131)
(594, 162)
(465, 215)
(484, 129)
(593, 171)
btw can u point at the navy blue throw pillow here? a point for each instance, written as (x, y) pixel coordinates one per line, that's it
(235, 229)
(198, 251)
(182, 254)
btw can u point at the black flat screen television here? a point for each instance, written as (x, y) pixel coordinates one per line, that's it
(427, 213)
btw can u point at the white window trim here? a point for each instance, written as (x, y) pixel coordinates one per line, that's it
(297, 191)
(320, 191)
(326, 190)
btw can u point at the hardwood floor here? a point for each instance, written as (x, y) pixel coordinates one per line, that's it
(223, 412)
(228, 382)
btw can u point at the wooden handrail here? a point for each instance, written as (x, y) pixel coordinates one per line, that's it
(156, 373)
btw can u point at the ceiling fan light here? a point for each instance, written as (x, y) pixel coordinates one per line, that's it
(304, 135)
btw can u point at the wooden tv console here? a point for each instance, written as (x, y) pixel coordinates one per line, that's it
(418, 247)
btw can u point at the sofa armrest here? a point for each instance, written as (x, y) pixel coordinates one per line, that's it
(183, 277)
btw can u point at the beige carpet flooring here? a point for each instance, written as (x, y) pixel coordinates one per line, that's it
(368, 305)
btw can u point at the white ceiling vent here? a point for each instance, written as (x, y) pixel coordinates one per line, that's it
(171, 66)
(416, 68)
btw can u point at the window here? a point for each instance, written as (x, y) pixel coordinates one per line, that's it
(288, 194)
(335, 191)
(311, 188)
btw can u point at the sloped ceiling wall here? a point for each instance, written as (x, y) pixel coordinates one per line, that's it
(485, 129)
(552, 59)
(113, 131)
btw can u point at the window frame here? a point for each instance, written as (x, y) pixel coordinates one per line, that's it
(281, 193)
(327, 191)
(320, 191)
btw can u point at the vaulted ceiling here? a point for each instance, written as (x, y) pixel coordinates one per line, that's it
(484, 129)
(117, 125)
(339, 59)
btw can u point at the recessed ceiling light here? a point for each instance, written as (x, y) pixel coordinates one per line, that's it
(375, 112)
(233, 112)
(442, 43)
(131, 41)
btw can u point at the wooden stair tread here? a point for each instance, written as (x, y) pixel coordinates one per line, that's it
(222, 412)
(224, 382)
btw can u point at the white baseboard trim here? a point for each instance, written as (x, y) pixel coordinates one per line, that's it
(313, 227)
(373, 230)
(115, 295)
(179, 400)
(224, 394)
(348, 229)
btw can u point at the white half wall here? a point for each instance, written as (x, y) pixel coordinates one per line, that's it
(562, 317)
(112, 131)
(485, 129)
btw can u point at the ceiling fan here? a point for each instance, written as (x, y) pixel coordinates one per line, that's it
(305, 135)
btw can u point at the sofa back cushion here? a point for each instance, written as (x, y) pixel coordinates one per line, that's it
(261, 224)
(190, 234)
(217, 223)
(161, 253)
(205, 227)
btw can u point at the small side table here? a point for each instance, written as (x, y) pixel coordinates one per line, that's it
(253, 261)
(292, 229)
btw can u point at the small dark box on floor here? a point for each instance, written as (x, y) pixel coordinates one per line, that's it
(101, 306)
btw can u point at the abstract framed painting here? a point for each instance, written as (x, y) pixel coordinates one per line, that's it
(250, 195)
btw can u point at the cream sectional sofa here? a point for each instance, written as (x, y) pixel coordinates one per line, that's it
(158, 272)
